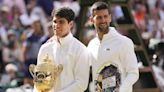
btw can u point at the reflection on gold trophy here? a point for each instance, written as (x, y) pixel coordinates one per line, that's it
(45, 74)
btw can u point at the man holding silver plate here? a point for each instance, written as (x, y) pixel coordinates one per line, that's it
(62, 62)
(114, 63)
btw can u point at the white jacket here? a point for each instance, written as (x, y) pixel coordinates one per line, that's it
(73, 55)
(117, 50)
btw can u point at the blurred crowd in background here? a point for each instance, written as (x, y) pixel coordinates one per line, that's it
(149, 18)
(26, 24)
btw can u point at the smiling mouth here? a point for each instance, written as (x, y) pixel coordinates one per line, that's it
(103, 24)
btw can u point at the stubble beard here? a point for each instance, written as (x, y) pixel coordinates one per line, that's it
(104, 28)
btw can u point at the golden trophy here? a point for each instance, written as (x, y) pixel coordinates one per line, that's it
(45, 74)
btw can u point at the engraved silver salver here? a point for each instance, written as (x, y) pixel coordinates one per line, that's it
(109, 79)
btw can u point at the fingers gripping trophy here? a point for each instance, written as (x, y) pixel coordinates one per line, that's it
(45, 74)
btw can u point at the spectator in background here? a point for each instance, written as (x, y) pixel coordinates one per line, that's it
(26, 18)
(47, 6)
(139, 16)
(161, 13)
(12, 52)
(33, 42)
(19, 3)
(118, 15)
(3, 34)
(15, 13)
(10, 78)
(3, 42)
(26, 87)
(18, 29)
(34, 10)
(5, 17)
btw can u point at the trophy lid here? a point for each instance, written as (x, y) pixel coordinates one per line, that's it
(47, 64)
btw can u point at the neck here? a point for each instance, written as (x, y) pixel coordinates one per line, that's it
(64, 35)
(101, 34)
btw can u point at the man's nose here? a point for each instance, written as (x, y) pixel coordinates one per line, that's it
(103, 20)
(56, 25)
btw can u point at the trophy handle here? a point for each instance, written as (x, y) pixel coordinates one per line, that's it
(31, 69)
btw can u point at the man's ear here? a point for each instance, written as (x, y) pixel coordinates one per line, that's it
(71, 23)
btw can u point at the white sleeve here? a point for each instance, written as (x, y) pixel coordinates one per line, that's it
(91, 50)
(81, 74)
(40, 55)
(129, 62)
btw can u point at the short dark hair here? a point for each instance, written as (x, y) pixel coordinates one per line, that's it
(100, 6)
(64, 12)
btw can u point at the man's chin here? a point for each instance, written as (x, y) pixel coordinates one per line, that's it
(58, 35)
(103, 29)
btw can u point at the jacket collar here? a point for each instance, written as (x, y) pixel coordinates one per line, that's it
(65, 40)
(111, 33)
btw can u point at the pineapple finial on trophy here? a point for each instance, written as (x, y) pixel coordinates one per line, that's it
(47, 59)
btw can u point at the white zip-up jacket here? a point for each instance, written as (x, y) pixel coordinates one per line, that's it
(73, 55)
(117, 50)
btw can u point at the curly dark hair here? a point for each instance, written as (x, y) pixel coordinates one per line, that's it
(64, 12)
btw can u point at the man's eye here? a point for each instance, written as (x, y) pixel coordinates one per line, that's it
(54, 21)
(105, 16)
(99, 17)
